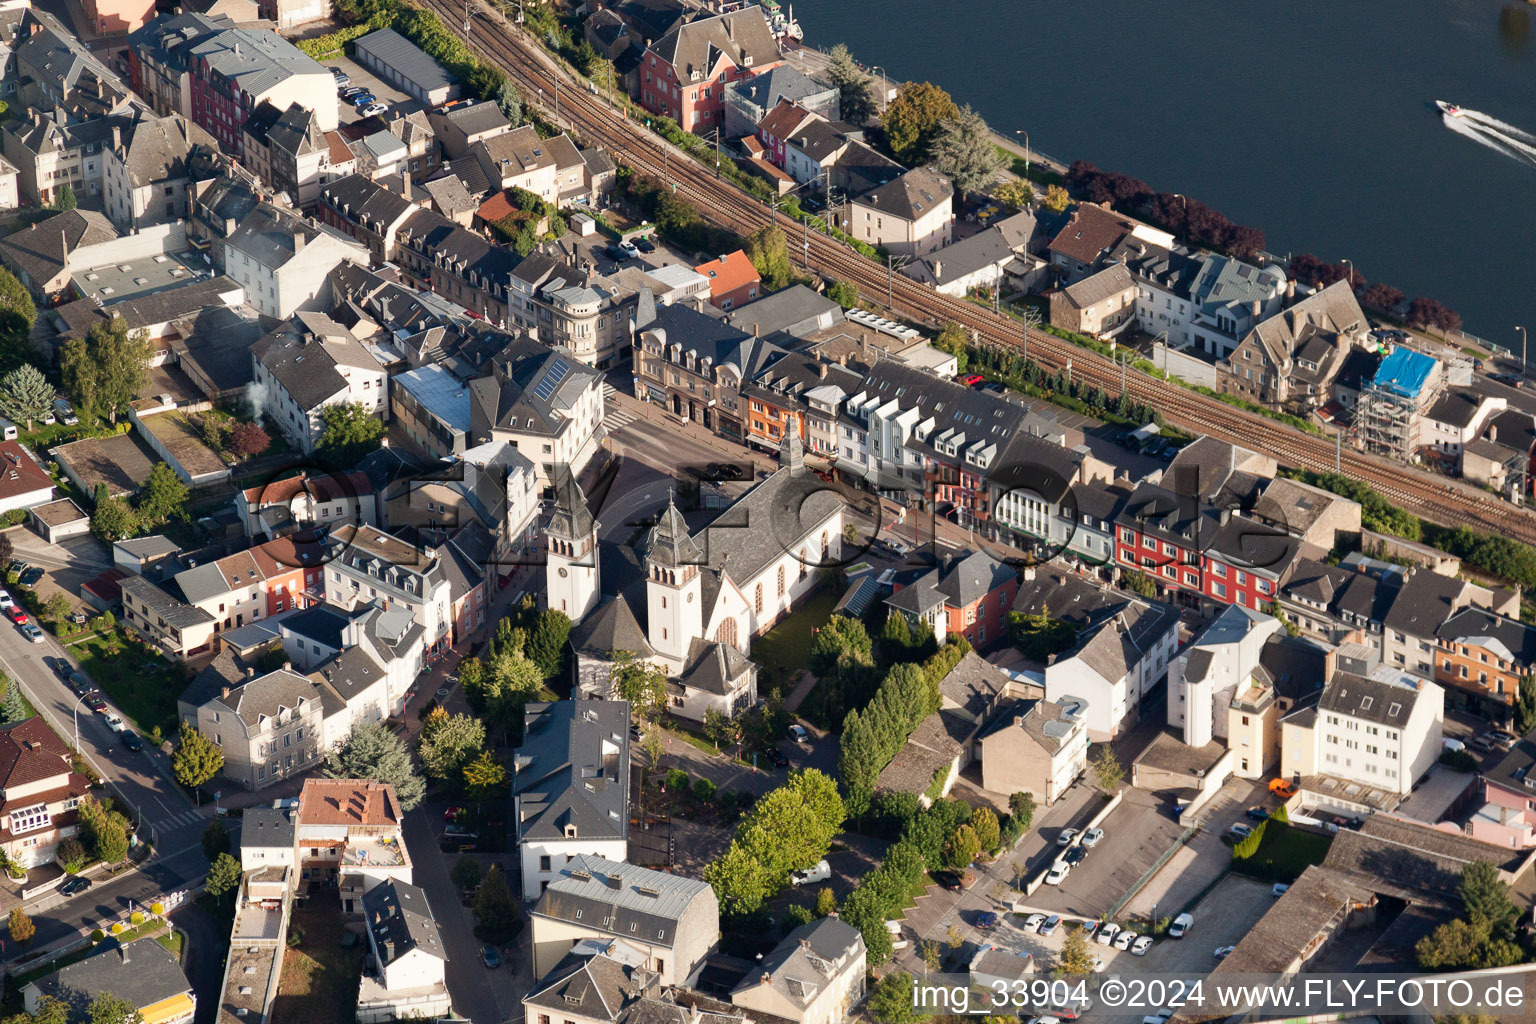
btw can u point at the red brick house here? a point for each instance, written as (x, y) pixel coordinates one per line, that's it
(39, 792)
(778, 126)
(685, 73)
(969, 595)
(1164, 535)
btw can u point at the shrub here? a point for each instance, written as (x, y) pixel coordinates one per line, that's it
(157, 908)
(137, 917)
(1458, 760)
(117, 928)
(703, 789)
(97, 935)
(677, 780)
(71, 855)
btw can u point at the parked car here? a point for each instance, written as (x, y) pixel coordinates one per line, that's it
(1088, 929)
(1162, 1016)
(630, 249)
(969, 379)
(96, 704)
(373, 109)
(644, 244)
(1237, 832)
(1093, 837)
(1066, 837)
(1051, 924)
(80, 683)
(115, 723)
(78, 617)
(455, 830)
(30, 577)
(74, 884)
(619, 253)
(799, 735)
(15, 614)
(5, 601)
(986, 919)
(347, 92)
(1073, 857)
(1033, 922)
(954, 881)
(1107, 933)
(1181, 925)
(818, 872)
(1141, 945)
(362, 99)
(1256, 814)
(132, 742)
(61, 668)
(776, 757)
(33, 633)
(342, 78)
(490, 957)
(64, 413)
(1222, 952)
(1058, 873)
(1282, 788)
(1514, 380)
(1279, 889)
(1125, 938)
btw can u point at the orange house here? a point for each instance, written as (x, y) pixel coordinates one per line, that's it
(733, 280)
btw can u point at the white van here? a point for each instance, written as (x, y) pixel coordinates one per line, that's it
(8, 430)
(1454, 745)
(820, 872)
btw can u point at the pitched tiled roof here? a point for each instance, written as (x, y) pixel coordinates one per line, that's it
(912, 196)
(1091, 232)
(573, 770)
(697, 47)
(30, 752)
(348, 802)
(40, 250)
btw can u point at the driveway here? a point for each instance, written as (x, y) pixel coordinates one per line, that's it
(361, 76)
(1135, 834)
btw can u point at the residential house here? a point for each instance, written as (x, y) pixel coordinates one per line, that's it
(289, 151)
(305, 501)
(570, 791)
(49, 152)
(371, 566)
(1163, 535)
(56, 70)
(576, 309)
(600, 981)
(995, 257)
(1508, 814)
(694, 364)
(458, 126)
(1456, 418)
(1100, 305)
(310, 363)
(1218, 667)
(748, 100)
(1481, 659)
(365, 210)
(143, 973)
(1246, 560)
(549, 168)
(1092, 234)
(672, 920)
(797, 394)
(969, 595)
(685, 73)
(349, 838)
(542, 402)
(158, 60)
(233, 71)
(408, 962)
(798, 311)
(148, 174)
(775, 128)
(283, 261)
(179, 629)
(39, 792)
(814, 976)
(1290, 359)
(436, 254)
(1423, 603)
(1037, 745)
(24, 483)
(269, 728)
(733, 280)
(912, 215)
(40, 255)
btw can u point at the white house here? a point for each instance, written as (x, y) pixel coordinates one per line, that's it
(1381, 731)
(570, 793)
(542, 402)
(814, 976)
(1206, 675)
(312, 362)
(369, 566)
(407, 977)
(283, 262)
(912, 215)
(23, 482)
(1114, 664)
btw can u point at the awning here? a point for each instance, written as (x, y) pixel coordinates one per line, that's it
(175, 1008)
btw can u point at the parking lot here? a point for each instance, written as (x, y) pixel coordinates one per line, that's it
(361, 76)
(1135, 834)
(1222, 918)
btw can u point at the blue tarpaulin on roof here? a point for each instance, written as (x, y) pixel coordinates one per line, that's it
(1404, 372)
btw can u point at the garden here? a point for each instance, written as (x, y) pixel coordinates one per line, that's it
(1278, 851)
(319, 976)
(139, 680)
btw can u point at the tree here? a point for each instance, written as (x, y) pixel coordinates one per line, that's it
(58, 608)
(988, 830)
(1017, 193)
(162, 498)
(466, 873)
(373, 752)
(641, 683)
(768, 250)
(484, 776)
(223, 875)
(495, 910)
(509, 681)
(1487, 899)
(826, 903)
(913, 121)
(248, 440)
(65, 199)
(1075, 957)
(896, 636)
(1107, 770)
(348, 432)
(855, 90)
(448, 743)
(721, 729)
(196, 759)
(511, 103)
(104, 371)
(1383, 297)
(1455, 945)
(891, 1002)
(49, 1011)
(14, 708)
(70, 855)
(963, 149)
(1525, 705)
(1056, 199)
(215, 840)
(844, 293)
(546, 644)
(962, 849)
(21, 927)
(26, 395)
(113, 519)
(7, 549)
(109, 1008)
(103, 831)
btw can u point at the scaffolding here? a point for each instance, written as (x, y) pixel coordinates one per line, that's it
(1387, 414)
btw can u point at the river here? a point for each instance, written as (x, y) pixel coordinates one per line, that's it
(1310, 119)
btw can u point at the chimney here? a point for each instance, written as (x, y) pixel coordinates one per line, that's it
(821, 370)
(117, 136)
(755, 329)
(1258, 308)
(287, 666)
(1493, 432)
(1018, 721)
(405, 184)
(766, 978)
(938, 270)
(298, 241)
(123, 952)
(1029, 574)
(223, 691)
(1290, 289)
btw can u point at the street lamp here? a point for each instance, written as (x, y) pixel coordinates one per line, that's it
(1349, 267)
(1523, 340)
(885, 87)
(76, 716)
(1021, 131)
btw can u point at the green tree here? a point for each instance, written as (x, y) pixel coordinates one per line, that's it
(896, 636)
(21, 927)
(795, 915)
(721, 729)
(546, 644)
(14, 708)
(855, 90)
(891, 1001)
(162, 498)
(988, 830)
(1075, 957)
(26, 395)
(1525, 705)
(197, 759)
(64, 199)
(448, 743)
(955, 340)
(768, 250)
(1487, 899)
(510, 680)
(49, 1011)
(58, 609)
(740, 882)
(71, 855)
(348, 431)
(215, 840)
(1016, 192)
(113, 519)
(466, 873)
(963, 848)
(511, 103)
(1107, 770)
(372, 751)
(1056, 199)
(826, 903)
(844, 293)
(912, 122)
(641, 683)
(223, 875)
(485, 776)
(963, 150)
(16, 301)
(102, 831)
(104, 371)
(495, 909)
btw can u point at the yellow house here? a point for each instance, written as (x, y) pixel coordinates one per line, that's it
(143, 972)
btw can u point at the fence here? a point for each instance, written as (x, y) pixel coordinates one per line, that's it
(1151, 872)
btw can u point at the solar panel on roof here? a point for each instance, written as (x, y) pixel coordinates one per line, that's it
(552, 379)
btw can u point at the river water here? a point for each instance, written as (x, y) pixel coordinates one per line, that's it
(1309, 119)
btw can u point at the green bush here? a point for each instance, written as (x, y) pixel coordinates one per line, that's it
(1458, 760)
(677, 780)
(704, 789)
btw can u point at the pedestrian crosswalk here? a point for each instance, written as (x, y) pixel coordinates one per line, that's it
(181, 820)
(616, 416)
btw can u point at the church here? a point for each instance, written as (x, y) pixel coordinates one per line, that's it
(691, 601)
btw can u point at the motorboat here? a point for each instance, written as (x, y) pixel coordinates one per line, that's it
(1449, 109)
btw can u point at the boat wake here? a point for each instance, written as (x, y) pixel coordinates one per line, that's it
(1497, 135)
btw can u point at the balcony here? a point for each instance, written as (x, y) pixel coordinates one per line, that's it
(384, 852)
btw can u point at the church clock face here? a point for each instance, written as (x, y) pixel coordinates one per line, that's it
(564, 572)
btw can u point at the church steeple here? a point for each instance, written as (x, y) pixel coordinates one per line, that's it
(791, 451)
(572, 577)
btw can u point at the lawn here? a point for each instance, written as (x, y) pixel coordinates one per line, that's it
(786, 648)
(1284, 853)
(319, 980)
(143, 685)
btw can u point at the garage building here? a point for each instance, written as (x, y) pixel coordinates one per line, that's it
(404, 65)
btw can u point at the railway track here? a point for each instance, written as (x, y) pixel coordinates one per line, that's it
(1437, 499)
